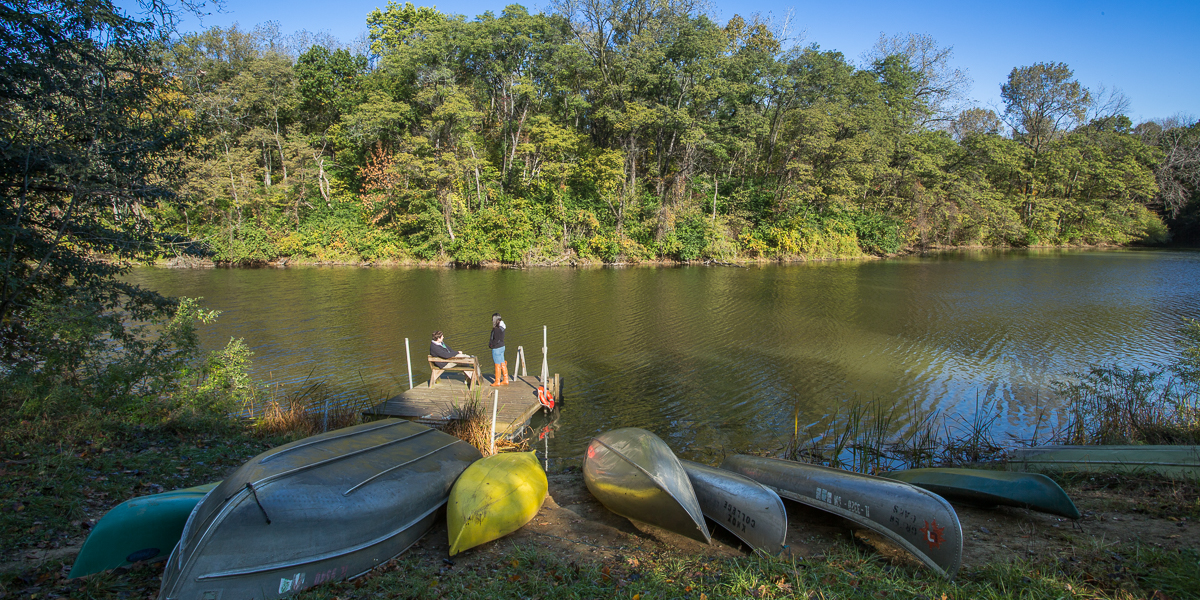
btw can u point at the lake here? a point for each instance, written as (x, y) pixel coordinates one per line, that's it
(717, 358)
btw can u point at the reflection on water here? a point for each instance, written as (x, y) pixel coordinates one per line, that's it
(719, 358)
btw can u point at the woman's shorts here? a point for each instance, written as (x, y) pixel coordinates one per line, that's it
(498, 355)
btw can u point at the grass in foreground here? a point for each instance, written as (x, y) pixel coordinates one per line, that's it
(846, 571)
(56, 480)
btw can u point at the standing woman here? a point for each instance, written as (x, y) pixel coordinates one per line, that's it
(496, 343)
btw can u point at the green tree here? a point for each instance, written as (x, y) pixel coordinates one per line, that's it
(396, 25)
(88, 129)
(1042, 101)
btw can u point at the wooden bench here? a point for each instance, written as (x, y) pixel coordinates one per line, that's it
(465, 364)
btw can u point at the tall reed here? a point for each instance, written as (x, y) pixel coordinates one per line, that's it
(868, 439)
(1115, 405)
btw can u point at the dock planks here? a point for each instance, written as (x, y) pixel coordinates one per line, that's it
(518, 402)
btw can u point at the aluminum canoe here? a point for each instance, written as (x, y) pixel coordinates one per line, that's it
(141, 529)
(634, 474)
(748, 509)
(325, 508)
(1167, 461)
(980, 486)
(494, 497)
(917, 520)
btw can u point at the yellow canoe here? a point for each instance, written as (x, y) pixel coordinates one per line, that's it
(494, 497)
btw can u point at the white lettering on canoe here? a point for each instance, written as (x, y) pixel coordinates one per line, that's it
(829, 497)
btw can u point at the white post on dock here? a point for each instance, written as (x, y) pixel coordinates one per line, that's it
(495, 402)
(408, 358)
(545, 368)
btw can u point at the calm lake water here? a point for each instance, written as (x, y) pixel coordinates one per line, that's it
(717, 359)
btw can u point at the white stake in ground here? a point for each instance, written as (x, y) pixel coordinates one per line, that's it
(495, 402)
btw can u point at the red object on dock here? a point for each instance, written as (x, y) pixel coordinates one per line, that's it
(546, 398)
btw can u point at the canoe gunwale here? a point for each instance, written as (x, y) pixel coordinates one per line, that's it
(776, 473)
(868, 524)
(327, 556)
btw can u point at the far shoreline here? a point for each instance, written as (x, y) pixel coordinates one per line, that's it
(589, 263)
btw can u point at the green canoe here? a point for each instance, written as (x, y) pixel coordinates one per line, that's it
(144, 528)
(980, 486)
(1167, 461)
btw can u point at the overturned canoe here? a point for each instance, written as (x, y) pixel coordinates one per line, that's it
(748, 509)
(979, 486)
(493, 498)
(324, 508)
(918, 520)
(1166, 461)
(634, 474)
(140, 529)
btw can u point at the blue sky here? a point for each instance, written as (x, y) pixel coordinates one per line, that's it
(1148, 50)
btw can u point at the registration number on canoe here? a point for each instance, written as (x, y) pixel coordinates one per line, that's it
(829, 497)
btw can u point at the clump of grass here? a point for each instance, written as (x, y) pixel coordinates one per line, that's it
(470, 423)
(311, 410)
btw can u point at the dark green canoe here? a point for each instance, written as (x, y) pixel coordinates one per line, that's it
(145, 528)
(1177, 462)
(980, 486)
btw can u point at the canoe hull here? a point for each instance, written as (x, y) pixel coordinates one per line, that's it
(321, 509)
(977, 486)
(749, 510)
(1166, 461)
(140, 529)
(634, 474)
(494, 497)
(919, 521)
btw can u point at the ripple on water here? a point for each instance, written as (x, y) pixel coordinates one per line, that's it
(719, 358)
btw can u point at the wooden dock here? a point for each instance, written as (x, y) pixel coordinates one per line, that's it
(435, 405)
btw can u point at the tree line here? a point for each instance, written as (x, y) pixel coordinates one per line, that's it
(638, 131)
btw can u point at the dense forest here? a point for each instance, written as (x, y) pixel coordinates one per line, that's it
(639, 131)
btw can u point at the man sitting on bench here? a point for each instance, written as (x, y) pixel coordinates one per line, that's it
(438, 348)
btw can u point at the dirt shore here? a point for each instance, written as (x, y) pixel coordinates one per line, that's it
(573, 523)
